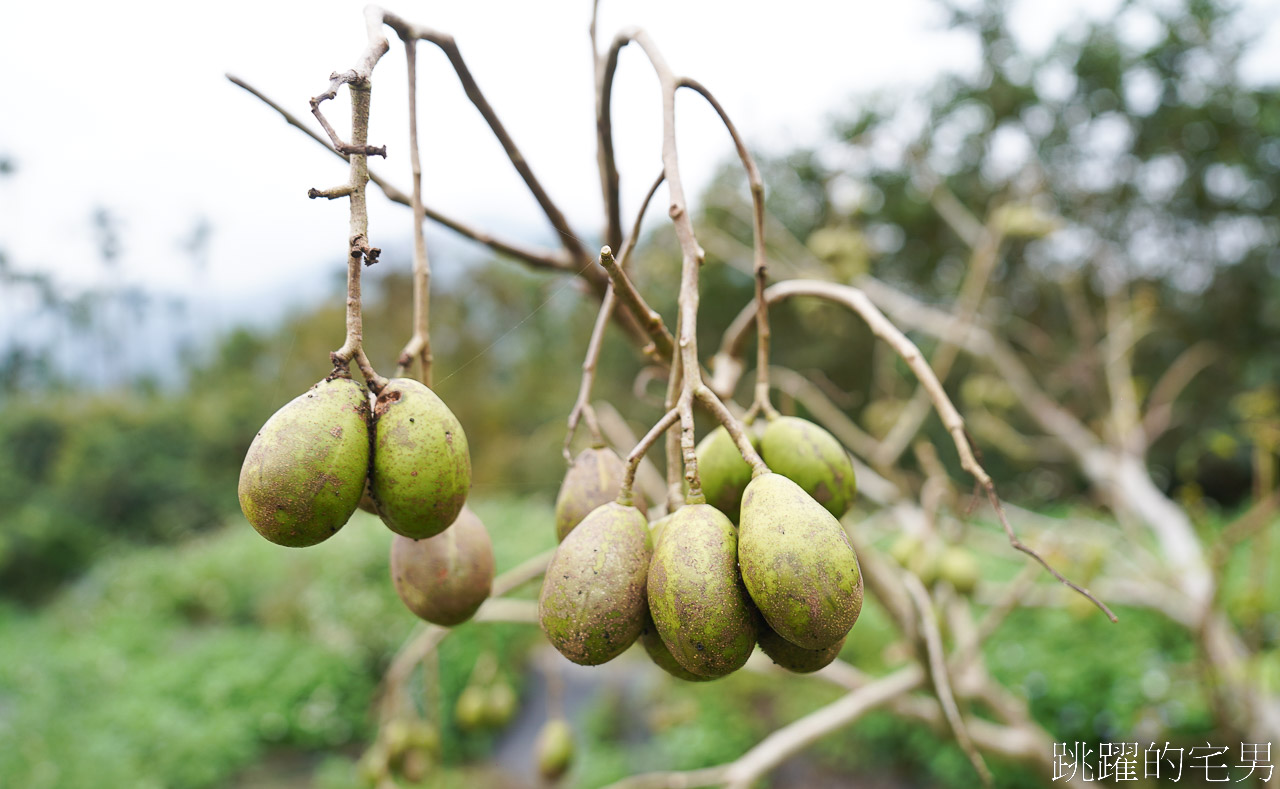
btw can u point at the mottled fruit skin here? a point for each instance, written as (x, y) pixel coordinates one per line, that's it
(725, 475)
(797, 563)
(697, 600)
(444, 579)
(554, 749)
(304, 472)
(592, 480)
(592, 605)
(421, 465)
(812, 458)
(794, 658)
(657, 650)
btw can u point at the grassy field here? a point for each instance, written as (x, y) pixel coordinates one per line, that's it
(227, 661)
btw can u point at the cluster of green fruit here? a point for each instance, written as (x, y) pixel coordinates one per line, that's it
(406, 748)
(699, 591)
(484, 705)
(930, 562)
(403, 456)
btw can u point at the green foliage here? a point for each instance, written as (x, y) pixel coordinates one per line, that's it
(179, 667)
(1150, 154)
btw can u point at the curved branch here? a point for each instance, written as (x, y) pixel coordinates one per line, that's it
(857, 301)
(447, 45)
(761, 402)
(1175, 378)
(938, 673)
(787, 741)
(419, 345)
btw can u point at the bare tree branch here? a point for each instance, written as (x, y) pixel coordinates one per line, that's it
(1184, 368)
(938, 673)
(538, 258)
(857, 301)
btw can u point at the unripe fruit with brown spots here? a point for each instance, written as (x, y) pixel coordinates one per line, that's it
(697, 600)
(812, 458)
(593, 605)
(794, 658)
(592, 480)
(304, 473)
(797, 563)
(421, 465)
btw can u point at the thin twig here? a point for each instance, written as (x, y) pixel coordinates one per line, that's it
(735, 429)
(1180, 372)
(984, 256)
(419, 345)
(556, 260)
(359, 250)
(649, 319)
(938, 672)
(637, 454)
(759, 268)
(603, 69)
(447, 45)
(582, 406)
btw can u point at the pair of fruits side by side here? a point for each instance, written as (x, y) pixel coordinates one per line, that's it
(403, 455)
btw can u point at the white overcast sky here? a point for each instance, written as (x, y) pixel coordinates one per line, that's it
(124, 104)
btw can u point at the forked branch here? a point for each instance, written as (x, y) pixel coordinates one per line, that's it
(857, 301)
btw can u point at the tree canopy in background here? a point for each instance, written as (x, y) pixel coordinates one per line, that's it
(1137, 142)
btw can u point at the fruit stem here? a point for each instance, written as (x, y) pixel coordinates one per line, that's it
(761, 402)
(359, 250)
(419, 345)
(735, 428)
(625, 497)
(582, 407)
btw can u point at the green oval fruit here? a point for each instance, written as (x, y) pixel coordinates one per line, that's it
(444, 579)
(811, 457)
(723, 472)
(554, 749)
(697, 600)
(421, 464)
(662, 657)
(499, 705)
(794, 658)
(592, 480)
(304, 472)
(904, 547)
(592, 605)
(924, 563)
(797, 563)
(469, 711)
(959, 568)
